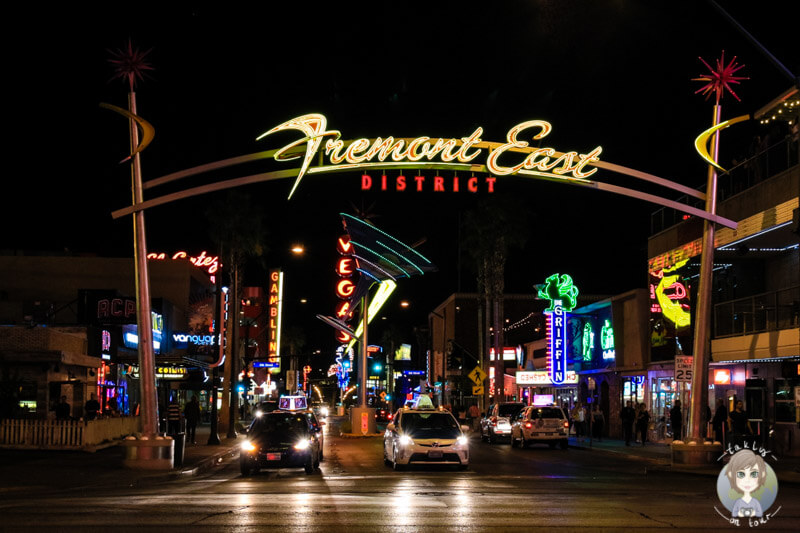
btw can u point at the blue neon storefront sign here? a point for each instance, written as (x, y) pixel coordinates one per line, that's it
(557, 346)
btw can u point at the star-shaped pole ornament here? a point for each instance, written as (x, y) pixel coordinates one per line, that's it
(130, 64)
(721, 78)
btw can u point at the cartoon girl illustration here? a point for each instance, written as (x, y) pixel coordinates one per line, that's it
(746, 473)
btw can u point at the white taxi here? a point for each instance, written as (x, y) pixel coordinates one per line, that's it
(546, 424)
(425, 435)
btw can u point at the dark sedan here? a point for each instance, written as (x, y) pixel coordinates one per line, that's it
(280, 440)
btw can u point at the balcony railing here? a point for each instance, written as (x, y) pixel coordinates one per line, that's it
(769, 311)
(761, 166)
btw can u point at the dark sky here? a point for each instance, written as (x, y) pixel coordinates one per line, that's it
(609, 73)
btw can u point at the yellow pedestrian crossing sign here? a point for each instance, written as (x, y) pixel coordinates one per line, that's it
(477, 390)
(477, 376)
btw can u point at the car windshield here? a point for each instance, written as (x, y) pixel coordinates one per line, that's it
(430, 425)
(288, 424)
(509, 409)
(546, 412)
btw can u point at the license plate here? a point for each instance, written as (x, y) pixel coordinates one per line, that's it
(434, 454)
(273, 457)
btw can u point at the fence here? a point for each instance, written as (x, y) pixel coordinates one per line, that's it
(87, 435)
(755, 314)
(766, 163)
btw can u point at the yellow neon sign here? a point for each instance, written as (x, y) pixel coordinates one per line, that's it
(671, 309)
(385, 289)
(386, 152)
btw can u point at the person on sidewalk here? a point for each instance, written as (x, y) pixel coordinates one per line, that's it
(63, 409)
(578, 416)
(643, 422)
(738, 424)
(628, 416)
(676, 419)
(91, 407)
(192, 415)
(720, 418)
(598, 421)
(473, 416)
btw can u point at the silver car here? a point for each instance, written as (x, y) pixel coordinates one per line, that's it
(497, 422)
(545, 424)
(425, 436)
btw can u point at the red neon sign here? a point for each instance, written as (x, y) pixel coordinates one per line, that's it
(439, 183)
(345, 288)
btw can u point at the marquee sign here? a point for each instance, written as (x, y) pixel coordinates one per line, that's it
(543, 378)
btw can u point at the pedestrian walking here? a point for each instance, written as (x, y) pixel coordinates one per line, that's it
(173, 418)
(91, 407)
(578, 416)
(738, 424)
(628, 416)
(192, 415)
(598, 422)
(63, 409)
(676, 419)
(473, 416)
(719, 421)
(643, 422)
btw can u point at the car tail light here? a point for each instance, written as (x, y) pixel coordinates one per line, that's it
(528, 425)
(493, 421)
(390, 416)
(566, 424)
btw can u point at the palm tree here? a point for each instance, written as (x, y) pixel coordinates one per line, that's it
(491, 230)
(237, 228)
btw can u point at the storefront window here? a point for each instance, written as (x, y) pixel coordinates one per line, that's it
(784, 399)
(633, 390)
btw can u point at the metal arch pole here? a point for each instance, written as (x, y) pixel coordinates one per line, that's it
(147, 376)
(362, 375)
(702, 333)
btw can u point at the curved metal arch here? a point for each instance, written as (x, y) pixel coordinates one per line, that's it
(466, 167)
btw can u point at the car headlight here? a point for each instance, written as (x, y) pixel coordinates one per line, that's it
(462, 440)
(324, 411)
(259, 413)
(248, 446)
(302, 445)
(405, 440)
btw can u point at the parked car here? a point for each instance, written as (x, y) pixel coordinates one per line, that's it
(540, 424)
(425, 436)
(280, 439)
(497, 422)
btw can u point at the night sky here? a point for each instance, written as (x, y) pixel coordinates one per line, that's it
(608, 73)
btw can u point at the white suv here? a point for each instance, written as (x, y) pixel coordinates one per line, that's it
(540, 423)
(425, 436)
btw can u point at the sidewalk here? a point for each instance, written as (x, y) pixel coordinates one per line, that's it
(659, 458)
(59, 470)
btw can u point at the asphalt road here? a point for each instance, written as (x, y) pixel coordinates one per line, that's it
(504, 489)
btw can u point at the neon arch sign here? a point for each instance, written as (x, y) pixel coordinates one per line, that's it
(515, 156)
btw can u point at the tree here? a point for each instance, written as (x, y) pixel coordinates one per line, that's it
(237, 228)
(495, 226)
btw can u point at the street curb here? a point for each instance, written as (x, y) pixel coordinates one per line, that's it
(359, 435)
(784, 478)
(664, 461)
